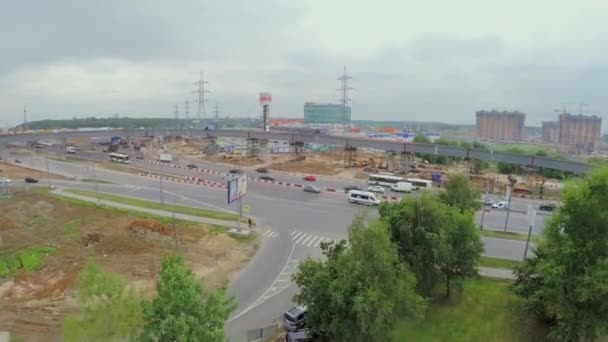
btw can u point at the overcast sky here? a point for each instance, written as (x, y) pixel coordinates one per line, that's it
(410, 60)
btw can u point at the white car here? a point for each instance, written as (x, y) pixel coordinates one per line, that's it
(4, 180)
(500, 205)
(376, 188)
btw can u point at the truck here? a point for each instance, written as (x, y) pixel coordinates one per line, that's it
(70, 149)
(402, 187)
(165, 158)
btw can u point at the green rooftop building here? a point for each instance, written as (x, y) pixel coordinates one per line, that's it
(325, 113)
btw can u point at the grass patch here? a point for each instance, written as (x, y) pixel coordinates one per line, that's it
(29, 259)
(486, 310)
(72, 228)
(215, 229)
(131, 213)
(92, 180)
(214, 214)
(493, 262)
(508, 235)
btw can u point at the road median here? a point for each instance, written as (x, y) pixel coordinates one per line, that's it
(182, 213)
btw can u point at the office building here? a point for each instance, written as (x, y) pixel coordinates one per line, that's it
(550, 132)
(327, 113)
(580, 133)
(494, 125)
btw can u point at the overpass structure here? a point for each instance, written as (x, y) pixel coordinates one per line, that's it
(322, 139)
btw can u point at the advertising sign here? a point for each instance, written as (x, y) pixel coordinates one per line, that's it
(237, 187)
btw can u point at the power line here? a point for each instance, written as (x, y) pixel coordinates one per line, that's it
(187, 109)
(345, 99)
(201, 91)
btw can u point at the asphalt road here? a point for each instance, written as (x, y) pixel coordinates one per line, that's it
(292, 224)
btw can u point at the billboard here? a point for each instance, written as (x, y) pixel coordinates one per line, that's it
(237, 187)
(265, 98)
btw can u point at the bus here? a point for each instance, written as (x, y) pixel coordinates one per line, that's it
(119, 158)
(419, 183)
(384, 180)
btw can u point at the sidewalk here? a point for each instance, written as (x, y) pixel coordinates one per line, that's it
(163, 213)
(497, 273)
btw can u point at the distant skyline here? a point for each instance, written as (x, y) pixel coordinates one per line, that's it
(410, 60)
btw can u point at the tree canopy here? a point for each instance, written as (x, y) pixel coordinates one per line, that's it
(460, 193)
(360, 290)
(182, 311)
(438, 242)
(107, 309)
(566, 283)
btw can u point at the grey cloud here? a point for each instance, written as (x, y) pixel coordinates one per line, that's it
(441, 47)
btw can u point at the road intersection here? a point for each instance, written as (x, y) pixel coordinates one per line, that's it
(291, 225)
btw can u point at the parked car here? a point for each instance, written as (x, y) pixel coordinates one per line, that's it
(351, 187)
(262, 170)
(266, 178)
(547, 207)
(311, 188)
(500, 205)
(4, 180)
(376, 188)
(302, 335)
(295, 318)
(235, 171)
(17, 161)
(31, 180)
(192, 166)
(309, 178)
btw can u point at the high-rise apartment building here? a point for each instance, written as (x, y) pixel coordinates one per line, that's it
(496, 125)
(550, 132)
(579, 133)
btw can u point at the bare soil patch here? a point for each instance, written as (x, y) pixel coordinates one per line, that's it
(33, 304)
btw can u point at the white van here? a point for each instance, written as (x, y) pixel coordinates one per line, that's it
(402, 187)
(363, 197)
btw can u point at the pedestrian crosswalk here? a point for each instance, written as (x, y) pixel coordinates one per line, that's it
(300, 238)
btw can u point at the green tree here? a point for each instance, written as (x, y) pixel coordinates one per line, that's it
(421, 139)
(107, 309)
(182, 311)
(459, 250)
(566, 283)
(437, 241)
(460, 193)
(357, 293)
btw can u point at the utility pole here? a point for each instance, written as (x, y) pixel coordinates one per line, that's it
(345, 99)
(24, 117)
(96, 184)
(175, 234)
(483, 206)
(162, 196)
(217, 111)
(176, 113)
(510, 189)
(187, 109)
(201, 91)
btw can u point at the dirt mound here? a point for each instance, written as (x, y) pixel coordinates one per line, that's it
(90, 239)
(149, 230)
(6, 223)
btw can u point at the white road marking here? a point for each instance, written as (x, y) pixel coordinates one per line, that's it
(273, 235)
(296, 236)
(292, 233)
(312, 242)
(306, 240)
(318, 243)
(264, 297)
(300, 238)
